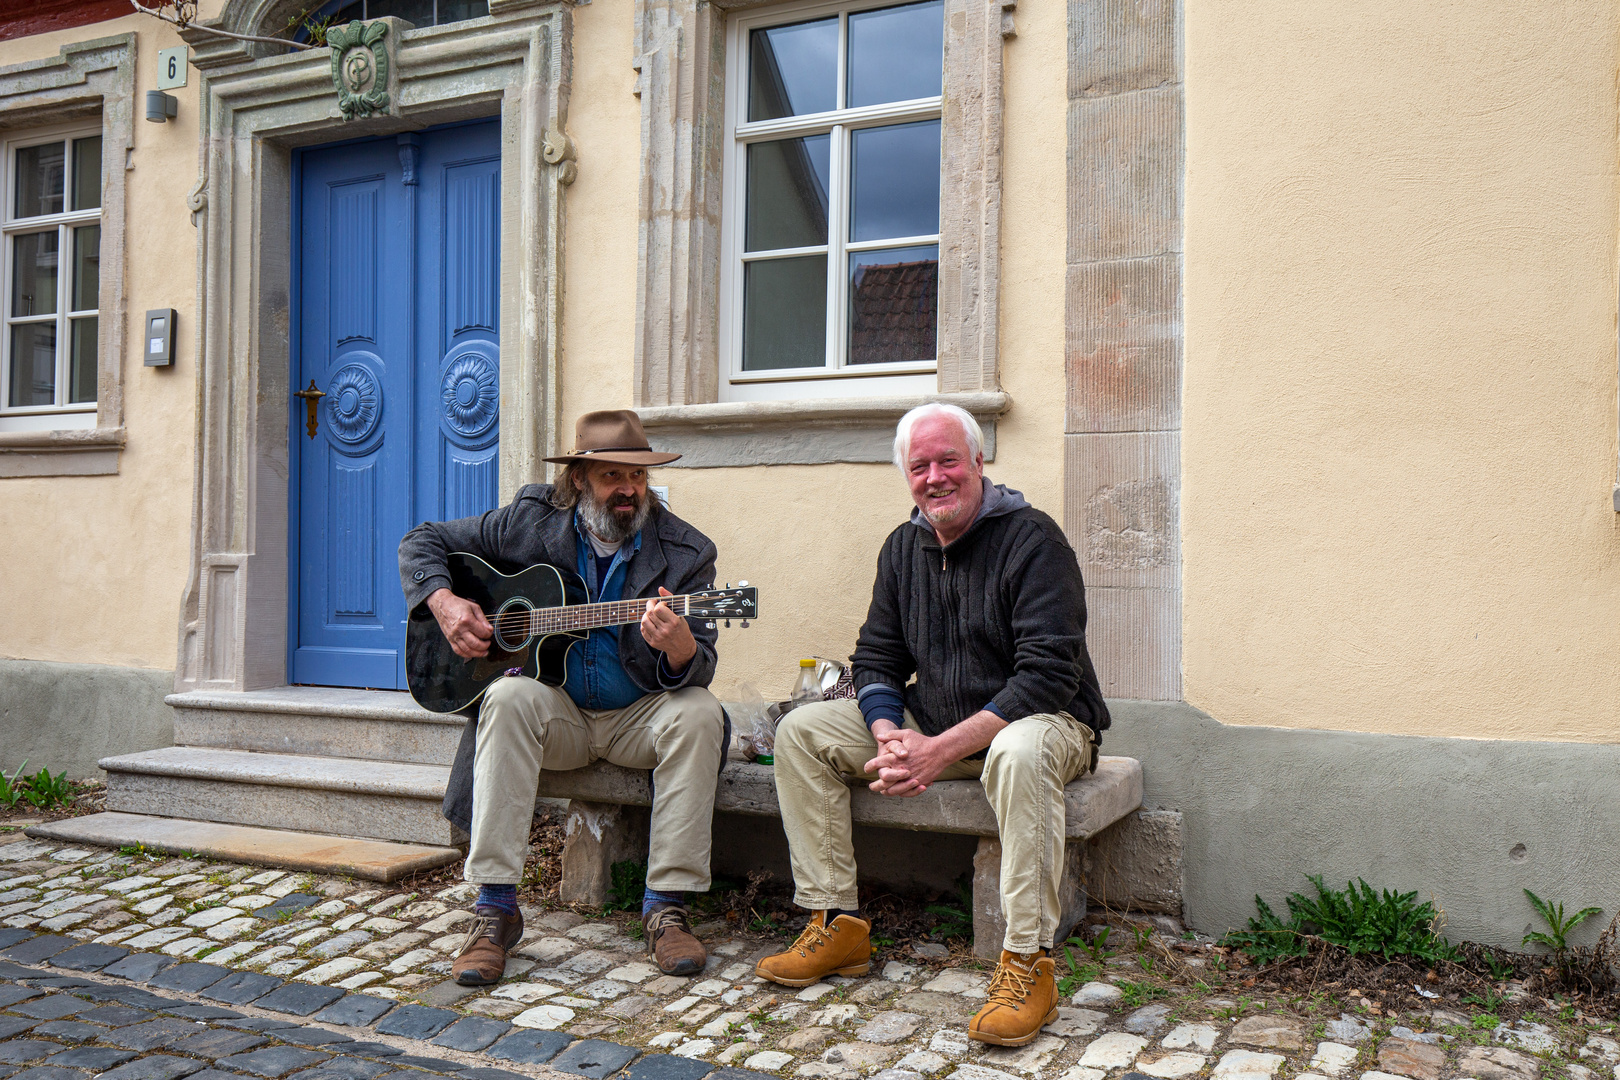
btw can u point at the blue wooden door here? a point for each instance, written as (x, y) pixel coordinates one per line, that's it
(396, 285)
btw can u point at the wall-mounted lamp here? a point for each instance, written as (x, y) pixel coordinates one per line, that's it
(160, 106)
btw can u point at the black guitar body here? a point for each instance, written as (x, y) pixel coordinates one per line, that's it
(443, 682)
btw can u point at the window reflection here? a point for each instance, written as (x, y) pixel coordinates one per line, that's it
(33, 274)
(40, 175)
(418, 13)
(787, 193)
(893, 297)
(87, 173)
(793, 70)
(896, 54)
(33, 365)
(785, 313)
(895, 181)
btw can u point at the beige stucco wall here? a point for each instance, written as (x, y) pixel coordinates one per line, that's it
(1400, 380)
(808, 536)
(94, 566)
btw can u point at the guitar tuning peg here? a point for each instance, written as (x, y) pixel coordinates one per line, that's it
(742, 584)
(728, 624)
(743, 624)
(709, 625)
(728, 584)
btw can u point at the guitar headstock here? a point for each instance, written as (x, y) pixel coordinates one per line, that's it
(727, 603)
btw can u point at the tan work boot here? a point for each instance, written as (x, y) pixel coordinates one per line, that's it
(668, 930)
(482, 959)
(844, 948)
(1023, 999)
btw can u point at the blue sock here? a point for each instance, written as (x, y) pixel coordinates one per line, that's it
(649, 897)
(501, 897)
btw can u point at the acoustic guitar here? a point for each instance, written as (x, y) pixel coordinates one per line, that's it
(537, 616)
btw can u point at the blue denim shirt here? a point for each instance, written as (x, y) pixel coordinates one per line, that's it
(596, 678)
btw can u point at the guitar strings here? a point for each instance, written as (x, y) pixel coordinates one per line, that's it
(571, 617)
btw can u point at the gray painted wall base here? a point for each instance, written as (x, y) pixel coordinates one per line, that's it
(1469, 823)
(67, 716)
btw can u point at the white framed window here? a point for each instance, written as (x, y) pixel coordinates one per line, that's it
(830, 230)
(50, 224)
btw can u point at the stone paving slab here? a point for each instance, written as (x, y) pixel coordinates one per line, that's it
(375, 859)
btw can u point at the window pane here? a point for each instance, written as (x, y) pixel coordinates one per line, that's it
(785, 313)
(892, 298)
(82, 385)
(894, 177)
(33, 364)
(415, 12)
(787, 193)
(33, 274)
(87, 173)
(793, 70)
(896, 54)
(459, 10)
(39, 180)
(86, 268)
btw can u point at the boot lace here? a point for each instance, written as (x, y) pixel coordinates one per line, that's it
(1010, 985)
(482, 926)
(813, 937)
(665, 918)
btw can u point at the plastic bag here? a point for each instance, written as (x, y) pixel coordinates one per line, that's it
(756, 729)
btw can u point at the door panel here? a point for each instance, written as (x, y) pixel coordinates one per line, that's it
(397, 304)
(460, 249)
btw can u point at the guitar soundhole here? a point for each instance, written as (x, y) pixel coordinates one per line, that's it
(512, 624)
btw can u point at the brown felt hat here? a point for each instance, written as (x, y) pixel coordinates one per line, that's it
(612, 435)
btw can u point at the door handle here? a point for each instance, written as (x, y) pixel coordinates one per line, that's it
(312, 397)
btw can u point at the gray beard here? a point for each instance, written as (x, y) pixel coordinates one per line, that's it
(606, 524)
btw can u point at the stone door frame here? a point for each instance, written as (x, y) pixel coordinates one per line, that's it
(256, 109)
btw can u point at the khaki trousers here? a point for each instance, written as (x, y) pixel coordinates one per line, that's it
(525, 726)
(821, 746)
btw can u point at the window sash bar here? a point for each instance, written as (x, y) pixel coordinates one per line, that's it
(899, 241)
(820, 123)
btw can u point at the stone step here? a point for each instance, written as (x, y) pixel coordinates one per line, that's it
(378, 725)
(374, 860)
(331, 795)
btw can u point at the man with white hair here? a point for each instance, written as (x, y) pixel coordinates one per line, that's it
(979, 597)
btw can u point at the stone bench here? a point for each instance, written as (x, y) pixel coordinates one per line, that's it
(601, 833)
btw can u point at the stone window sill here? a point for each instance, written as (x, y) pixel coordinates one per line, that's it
(806, 432)
(68, 452)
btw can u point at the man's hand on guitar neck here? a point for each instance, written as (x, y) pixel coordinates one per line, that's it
(668, 633)
(463, 623)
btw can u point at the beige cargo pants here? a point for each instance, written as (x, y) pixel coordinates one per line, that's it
(821, 746)
(525, 726)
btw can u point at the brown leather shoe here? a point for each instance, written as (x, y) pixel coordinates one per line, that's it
(844, 948)
(676, 951)
(482, 959)
(1023, 999)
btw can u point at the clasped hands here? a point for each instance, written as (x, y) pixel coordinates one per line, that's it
(907, 761)
(470, 633)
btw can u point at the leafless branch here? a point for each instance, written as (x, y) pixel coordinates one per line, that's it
(182, 19)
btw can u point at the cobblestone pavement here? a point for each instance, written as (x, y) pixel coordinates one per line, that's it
(141, 969)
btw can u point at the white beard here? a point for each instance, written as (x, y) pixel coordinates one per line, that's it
(607, 524)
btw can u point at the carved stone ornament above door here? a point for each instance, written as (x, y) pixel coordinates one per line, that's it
(361, 65)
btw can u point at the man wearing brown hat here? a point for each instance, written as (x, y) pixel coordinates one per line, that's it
(636, 695)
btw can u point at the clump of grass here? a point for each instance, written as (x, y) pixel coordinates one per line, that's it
(629, 881)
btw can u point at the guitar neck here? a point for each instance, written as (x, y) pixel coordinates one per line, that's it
(595, 616)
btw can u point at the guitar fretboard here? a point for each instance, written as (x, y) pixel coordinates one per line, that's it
(592, 616)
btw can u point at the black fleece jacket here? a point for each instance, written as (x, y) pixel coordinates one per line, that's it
(997, 617)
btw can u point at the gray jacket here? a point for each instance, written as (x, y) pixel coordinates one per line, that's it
(530, 530)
